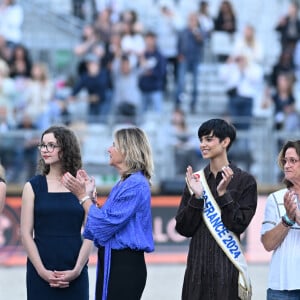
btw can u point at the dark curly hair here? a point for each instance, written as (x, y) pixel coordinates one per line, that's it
(69, 153)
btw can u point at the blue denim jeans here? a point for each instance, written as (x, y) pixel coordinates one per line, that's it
(283, 295)
(153, 101)
(241, 108)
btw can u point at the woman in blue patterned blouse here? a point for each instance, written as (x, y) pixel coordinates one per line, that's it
(122, 227)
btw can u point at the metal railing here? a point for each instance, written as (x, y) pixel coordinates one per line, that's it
(255, 150)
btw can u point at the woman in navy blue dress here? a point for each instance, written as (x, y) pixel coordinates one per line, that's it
(51, 223)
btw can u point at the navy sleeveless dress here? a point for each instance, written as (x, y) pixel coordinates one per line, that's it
(58, 219)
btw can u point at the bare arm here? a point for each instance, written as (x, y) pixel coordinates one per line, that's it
(70, 275)
(2, 195)
(27, 209)
(83, 256)
(274, 237)
(81, 186)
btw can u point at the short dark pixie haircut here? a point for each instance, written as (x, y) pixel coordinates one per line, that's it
(218, 128)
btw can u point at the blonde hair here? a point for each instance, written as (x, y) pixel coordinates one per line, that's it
(134, 145)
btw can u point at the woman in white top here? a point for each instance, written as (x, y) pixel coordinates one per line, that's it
(249, 45)
(280, 231)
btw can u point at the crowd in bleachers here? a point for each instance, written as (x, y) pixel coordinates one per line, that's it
(127, 69)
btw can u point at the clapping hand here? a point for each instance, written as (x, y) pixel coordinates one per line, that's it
(227, 175)
(290, 205)
(90, 184)
(194, 182)
(74, 185)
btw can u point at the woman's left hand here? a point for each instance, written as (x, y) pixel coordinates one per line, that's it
(227, 175)
(290, 205)
(90, 184)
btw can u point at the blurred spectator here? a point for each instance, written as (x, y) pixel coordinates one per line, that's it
(190, 54)
(168, 26)
(90, 44)
(131, 17)
(113, 50)
(95, 82)
(40, 104)
(6, 122)
(282, 99)
(8, 141)
(132, 39)
(103, 26)
(224, 31)
(20, 70)
(78, 9)
(296, 61)
(152, 75)
(186, 148)
(284, 64)
(206, 21)
(126, 96)
(26, 153)
(243, 81)
(11, 21)
(7, 91)
(289, 27)
(20, 62)
(248, 45)
(5, 50)
(116, 7)
(226, 18)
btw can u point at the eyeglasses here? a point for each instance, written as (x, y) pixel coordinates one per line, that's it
(49, 147)
(291, 161)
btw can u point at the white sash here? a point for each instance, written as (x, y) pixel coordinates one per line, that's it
(226, 239)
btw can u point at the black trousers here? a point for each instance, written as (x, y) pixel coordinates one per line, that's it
(127, 277)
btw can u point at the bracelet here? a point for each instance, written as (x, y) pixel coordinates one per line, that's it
(284, 224)
(84, 199)
(286, 221)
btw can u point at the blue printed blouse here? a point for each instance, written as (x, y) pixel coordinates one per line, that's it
(125, 220)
